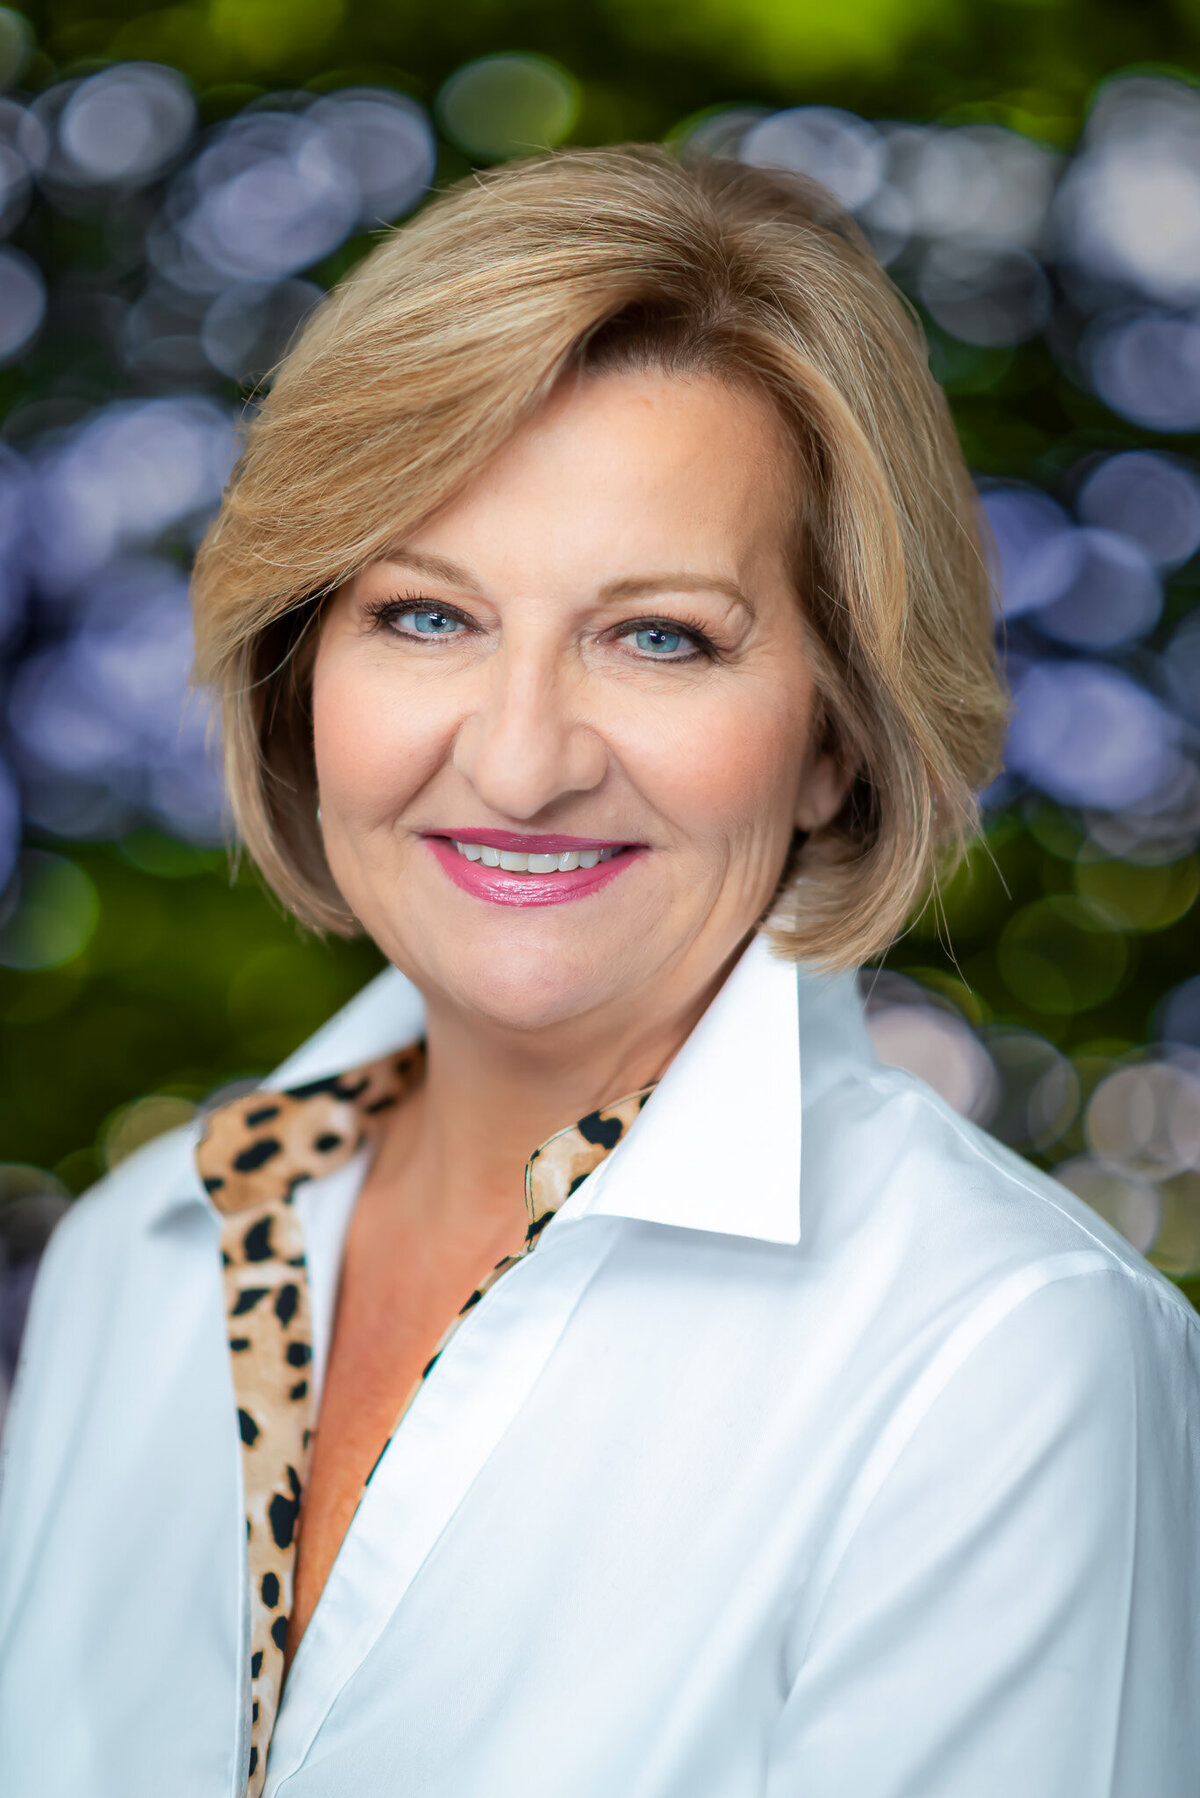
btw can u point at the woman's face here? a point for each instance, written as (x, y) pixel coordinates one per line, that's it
(590, 666)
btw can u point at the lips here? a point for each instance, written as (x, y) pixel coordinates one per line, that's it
(503, 868)
(524, 843)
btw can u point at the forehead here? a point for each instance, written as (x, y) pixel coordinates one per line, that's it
(631, 465)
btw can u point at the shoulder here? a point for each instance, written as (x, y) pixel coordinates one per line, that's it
(112, 1242)
(892, 1173)
(155, 1182)
(1036, 1358)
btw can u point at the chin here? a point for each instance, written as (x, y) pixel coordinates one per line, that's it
(526, 970)
(516, 980)
(528, 987)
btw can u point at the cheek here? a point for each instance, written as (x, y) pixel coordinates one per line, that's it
(727, 770)
(374, 745)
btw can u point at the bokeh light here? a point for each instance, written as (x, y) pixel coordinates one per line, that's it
(1179, 1013)
(1176, 1247)
(1088, 734)
(1132, 1206)
(10, 831)
(125, 125)
(386, 142)
(179, 189)
(1146, 366)
(984, 294)
(140, 1122)
(16, 177)
(978, 183)
(54, 912)
(1146, 1120)
(275, 189)
(247, 327)
(845, 154)
(128, 474)
(1113, 597)
(22, 302)
(505, 106)
(32, 1202)
(271, 196)
(1036, 552)
(1129, 210)
(1037, 1089)
(1130, 895)
(16, 45)
(1152, 499)
(1056, 956)
(932, 1041)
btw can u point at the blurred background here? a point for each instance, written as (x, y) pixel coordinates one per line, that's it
(179, 184)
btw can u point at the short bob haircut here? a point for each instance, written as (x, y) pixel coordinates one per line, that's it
(448, 337)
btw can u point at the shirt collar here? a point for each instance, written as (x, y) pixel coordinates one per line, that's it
(717, 1149)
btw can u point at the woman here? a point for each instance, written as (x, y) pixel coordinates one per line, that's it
(600, 624)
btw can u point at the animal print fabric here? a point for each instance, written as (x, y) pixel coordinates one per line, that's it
(252, 1156)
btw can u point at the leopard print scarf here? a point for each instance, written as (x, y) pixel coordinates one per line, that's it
(252, 1156)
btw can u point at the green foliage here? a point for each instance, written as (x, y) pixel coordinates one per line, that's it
(1048, 934)
(190, 979)
(182, 980)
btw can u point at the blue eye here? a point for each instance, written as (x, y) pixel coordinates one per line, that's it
(654, 640)
(429, 623)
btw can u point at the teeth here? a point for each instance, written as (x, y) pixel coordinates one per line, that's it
(513, 861)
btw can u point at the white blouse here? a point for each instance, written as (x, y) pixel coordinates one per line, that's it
(824, 1449)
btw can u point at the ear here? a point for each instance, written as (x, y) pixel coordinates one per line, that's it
(827, 779)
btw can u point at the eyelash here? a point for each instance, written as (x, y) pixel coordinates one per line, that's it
(383, 612)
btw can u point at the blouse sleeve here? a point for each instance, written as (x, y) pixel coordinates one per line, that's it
(1016, 1607)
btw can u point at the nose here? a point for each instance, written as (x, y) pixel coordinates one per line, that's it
(526, 745)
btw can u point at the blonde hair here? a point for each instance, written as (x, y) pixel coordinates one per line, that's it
(447, 338)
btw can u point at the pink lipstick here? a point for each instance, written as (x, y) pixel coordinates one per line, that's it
(505, 867)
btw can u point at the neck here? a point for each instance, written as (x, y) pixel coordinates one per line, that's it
(492, 1095)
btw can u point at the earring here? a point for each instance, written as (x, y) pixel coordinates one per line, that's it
(318, 817)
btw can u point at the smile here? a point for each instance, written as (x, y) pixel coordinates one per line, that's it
(501, 868)
(514, 862)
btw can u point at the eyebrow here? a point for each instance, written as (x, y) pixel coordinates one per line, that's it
(636, 586)
(436, 567)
